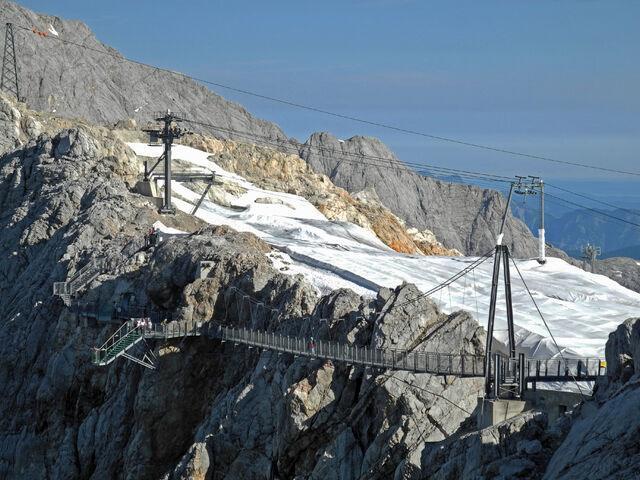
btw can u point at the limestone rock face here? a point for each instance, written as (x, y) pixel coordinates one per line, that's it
(462, 217)
(83, 83)
(625, 271)
(10, 120)
(620, 353)
(510, 449)
(320, 419)
(602, 444)
(603, 441)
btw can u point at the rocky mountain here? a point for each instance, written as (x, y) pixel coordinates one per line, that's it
(575, 229)
(71, 81)
(599, 444)
(215, 411)
(624, 270)
(210, 410)
(463, 217)
(273, 170)
(77, 82)
(598, 440)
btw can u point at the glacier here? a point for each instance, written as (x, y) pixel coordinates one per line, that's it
(580, 308)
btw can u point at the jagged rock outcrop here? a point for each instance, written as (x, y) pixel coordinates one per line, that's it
(510, 449)
(620, 353)
(625, 271)
(324, 420)
(84, 83)
(604, 440)
(463, 217)
(209, 410)
(598, 440)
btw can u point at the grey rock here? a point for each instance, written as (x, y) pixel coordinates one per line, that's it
(10, 125)
(603, 445)
(625, 271)
(619, 350)
(463, 217)
(100, 87)
(603, 441)
(495, 452)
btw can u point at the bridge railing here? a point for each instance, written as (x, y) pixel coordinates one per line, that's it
(398, 359)
(567, 367)
(100, 353)
(61, 288)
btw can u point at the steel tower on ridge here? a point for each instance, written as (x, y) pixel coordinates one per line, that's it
(9, 78)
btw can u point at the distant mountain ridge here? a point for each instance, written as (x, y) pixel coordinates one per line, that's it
(630, 252)
(577, 228)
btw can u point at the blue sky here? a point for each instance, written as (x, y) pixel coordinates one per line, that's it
(552, 78)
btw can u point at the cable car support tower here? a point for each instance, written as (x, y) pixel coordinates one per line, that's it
(9, 77)
(501, 258)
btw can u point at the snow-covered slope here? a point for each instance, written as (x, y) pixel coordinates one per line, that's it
(580, 308)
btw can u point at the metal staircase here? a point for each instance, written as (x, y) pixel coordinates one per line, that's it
(83, 277)
(121, 343)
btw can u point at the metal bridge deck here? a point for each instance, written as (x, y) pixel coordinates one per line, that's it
(538, 370)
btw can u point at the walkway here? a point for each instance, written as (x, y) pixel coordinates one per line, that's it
(538, 370)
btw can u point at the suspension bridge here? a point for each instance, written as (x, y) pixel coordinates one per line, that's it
(142, 324)
(509, 373)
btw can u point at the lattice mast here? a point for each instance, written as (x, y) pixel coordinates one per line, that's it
(9, 79)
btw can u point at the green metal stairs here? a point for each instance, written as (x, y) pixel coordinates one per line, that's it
(118, 344)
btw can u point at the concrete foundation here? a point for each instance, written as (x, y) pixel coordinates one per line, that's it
(553, 402)
(492, 411)
(150, 189)
(204, 267)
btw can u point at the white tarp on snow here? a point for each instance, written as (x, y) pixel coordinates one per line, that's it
(581, 308)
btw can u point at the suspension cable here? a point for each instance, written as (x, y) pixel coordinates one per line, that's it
(451, 279)
(290, 103)
(560, 352)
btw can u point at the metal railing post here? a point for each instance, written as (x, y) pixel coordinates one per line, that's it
(522, 384)
(497, 375)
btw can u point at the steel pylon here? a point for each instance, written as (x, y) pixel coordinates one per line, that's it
(9, 78)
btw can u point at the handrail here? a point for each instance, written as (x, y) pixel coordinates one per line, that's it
(467, 365)
(126, 330)
(88, 272)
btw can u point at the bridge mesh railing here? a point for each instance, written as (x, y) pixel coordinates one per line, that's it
(120, 339)
(397, 359)
(394, 359)
(567, 367)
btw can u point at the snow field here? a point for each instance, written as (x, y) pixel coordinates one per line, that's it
(580, 308)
